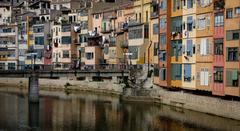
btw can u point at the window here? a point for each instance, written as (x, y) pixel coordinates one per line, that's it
(204, 3)
(203, 22)
(237, 10)
(146, 16)
(176, 5)
(156, 71)
(189, 4)
(189, 48)
(233, 35)
(218, 47)
(232, 78)
(2, 66)
(155, 29)
(134, 51)
(140, 18)
(96, 16)
(176, 24)
(106, 49)
(119, 13)
(163, 4)
(163, 22)
(38, 29)
(82, 51)
(163, 74)
(55, 7)
(65, 54)
(187, 72)
(218, 74)
(135, 32)
(218, 19)
(66, 39)
(65, 65)
(232, 54)
(146, 31)
(39, 40)
(189, 23)
(204, 77)
(162, 39)
(155, 49)
(89, 55)
(83, 38)
(162, 55)
(11, 66)
(84, 25)
(176, 72)
(229, 14)
(74, 18)
(205, 48)
(176, 49)
(66, 28)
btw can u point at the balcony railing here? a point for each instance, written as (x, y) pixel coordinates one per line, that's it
(219, 4)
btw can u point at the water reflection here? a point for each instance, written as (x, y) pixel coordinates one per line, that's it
(33, 115)
(88, 112)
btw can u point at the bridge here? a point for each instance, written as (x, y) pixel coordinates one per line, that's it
(34, 75)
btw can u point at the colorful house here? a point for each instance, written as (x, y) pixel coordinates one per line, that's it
(165, 43)
(219, 47)
(204, 45)
(232, 46)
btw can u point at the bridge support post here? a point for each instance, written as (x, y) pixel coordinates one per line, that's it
(33, 88)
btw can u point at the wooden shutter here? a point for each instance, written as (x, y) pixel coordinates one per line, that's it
(183, 49)
(202, 77)
(208, 21)
(207, 46)
(229, 78)
(206, 77)
(202, 47)
(198, 48)
(210, 47)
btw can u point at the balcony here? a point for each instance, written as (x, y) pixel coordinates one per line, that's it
(154, 14)
(106, 27)
(219, 4)
(124, 44)
(176, 35)
(154, 9)
(125, 26)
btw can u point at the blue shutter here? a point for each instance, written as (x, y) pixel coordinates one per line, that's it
(189, 47)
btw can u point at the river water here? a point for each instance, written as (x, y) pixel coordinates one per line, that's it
(58, 111)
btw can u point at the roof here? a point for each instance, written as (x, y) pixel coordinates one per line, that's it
(100, 7)
(47, 1)
(5, 4)
(19, 4)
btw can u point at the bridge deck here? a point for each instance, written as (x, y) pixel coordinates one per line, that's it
(63, 73)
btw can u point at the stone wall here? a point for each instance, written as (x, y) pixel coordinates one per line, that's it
(206, 104)
(106, 86)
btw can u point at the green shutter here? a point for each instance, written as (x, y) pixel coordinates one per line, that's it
(229, 78)
(229, 35)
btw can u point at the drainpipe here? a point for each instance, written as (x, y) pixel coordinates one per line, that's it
(80, 57)
(149, 56)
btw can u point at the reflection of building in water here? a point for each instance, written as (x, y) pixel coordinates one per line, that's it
(93, 112)
(13, 111)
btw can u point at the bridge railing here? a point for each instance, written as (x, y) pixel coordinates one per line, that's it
(36, 67)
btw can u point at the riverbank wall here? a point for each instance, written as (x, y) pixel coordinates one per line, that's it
(180, 99)
(110, 86)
